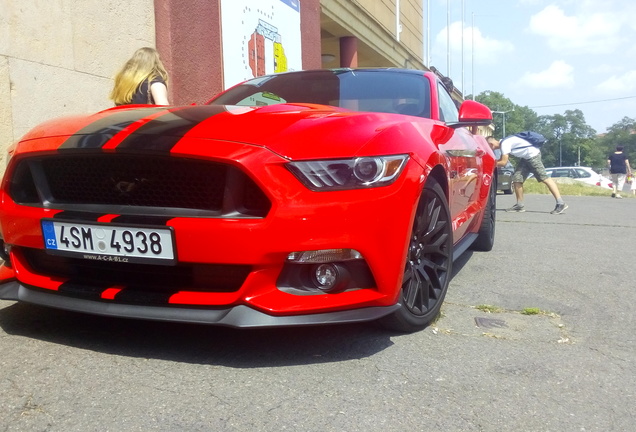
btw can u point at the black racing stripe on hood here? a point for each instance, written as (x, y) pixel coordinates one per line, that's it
(78, 216)
(98, 133)
(164, 132)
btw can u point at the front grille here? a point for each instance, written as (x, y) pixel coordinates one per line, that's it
(142, 282)
(140, 182)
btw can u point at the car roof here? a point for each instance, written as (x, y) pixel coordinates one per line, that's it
(567, 167)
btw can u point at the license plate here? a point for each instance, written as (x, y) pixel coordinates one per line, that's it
(113, 243)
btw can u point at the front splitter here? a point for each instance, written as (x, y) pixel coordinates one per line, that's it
(240, 316)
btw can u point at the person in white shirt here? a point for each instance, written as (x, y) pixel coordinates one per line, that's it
(529, 162)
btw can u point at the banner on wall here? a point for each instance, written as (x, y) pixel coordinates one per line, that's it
(260, 37)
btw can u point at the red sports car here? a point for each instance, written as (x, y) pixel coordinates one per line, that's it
(301, 198)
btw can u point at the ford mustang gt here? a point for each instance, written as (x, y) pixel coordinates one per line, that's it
(301, 198)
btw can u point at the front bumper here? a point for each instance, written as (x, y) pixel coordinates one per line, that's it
(237, 316)
(376, 222)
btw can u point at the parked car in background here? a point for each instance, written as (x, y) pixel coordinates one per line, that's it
(583, 174)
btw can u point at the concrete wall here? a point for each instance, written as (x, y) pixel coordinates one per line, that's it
(58, 57)
(411, 20)
(373, 23)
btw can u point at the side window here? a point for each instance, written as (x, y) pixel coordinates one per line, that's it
(582, 173)
(261, 99)
(447, 109)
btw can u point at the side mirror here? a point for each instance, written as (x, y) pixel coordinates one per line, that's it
(472, 113)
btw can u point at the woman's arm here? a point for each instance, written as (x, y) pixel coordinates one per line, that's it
(159, 93)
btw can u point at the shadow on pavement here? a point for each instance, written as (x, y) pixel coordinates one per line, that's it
(198, 344)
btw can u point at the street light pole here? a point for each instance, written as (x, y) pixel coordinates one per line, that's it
(448, 41)
(463, 25)
(472, 51)
(472, 56)
(503, 115)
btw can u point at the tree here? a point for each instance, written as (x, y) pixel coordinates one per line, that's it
(621, 133)
(570, 140)
(517, 118)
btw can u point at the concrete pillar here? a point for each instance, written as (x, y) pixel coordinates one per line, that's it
(310, 33)
(349, 52)
(189, 41)
(188, 34)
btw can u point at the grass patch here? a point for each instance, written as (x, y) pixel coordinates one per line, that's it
(525, 311)
(531, 311)
(488, 308)
(569, 187)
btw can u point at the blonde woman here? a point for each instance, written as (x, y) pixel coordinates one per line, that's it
(142, 80)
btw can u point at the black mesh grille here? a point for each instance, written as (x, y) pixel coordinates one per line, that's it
(138, 181)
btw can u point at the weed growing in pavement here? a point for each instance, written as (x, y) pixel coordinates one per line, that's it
(531, 311)
(524, 311)
(489, 308)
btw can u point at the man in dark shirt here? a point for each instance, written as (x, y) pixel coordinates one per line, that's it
(619, 168)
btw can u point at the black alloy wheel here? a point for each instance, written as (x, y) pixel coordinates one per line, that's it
(428, 264)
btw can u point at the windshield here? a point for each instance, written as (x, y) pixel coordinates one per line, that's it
(358, 90)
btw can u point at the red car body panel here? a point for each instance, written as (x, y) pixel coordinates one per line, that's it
(258, 143)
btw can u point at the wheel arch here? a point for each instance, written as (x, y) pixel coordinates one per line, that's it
(439, 173)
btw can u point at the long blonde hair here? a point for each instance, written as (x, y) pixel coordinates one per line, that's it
(144, 65)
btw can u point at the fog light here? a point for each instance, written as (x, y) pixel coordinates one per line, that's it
(331, 277)
(326, 276)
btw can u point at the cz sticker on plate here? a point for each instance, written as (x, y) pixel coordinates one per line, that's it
(112, 243)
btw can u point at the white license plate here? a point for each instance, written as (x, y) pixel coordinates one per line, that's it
(105, 242)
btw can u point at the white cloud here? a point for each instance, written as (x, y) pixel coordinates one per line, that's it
(558, 75)
(604, 69)
(486, 49)
(588, 32)
(619, 83)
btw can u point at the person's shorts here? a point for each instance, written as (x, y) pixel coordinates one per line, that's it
(533, 165)
(618, 180)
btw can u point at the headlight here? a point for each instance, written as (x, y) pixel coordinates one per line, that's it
(340, 174)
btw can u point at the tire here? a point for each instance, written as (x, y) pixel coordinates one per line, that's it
(508, 191)
(486, 236)
(428, 264)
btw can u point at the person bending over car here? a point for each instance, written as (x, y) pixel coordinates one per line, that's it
(529, 162)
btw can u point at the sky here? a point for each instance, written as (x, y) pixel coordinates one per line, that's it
(549, 55)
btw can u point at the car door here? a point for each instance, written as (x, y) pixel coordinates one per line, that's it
(466, 167)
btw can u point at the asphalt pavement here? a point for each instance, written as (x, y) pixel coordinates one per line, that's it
(570, 367)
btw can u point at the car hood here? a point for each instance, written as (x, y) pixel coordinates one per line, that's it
(294, 131)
